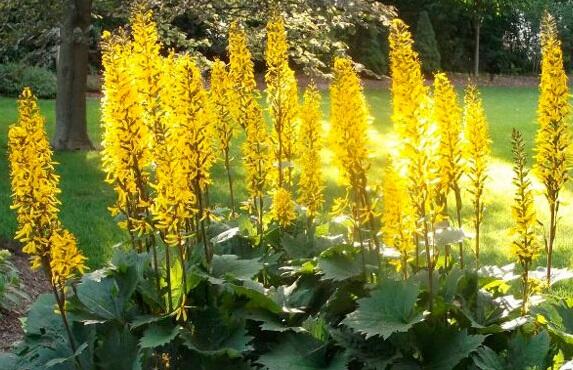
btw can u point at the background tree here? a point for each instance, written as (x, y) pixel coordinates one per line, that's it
(426, 44)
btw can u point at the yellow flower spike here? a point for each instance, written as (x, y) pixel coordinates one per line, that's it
(398, 216)
(33, 180)
(194, 117)
(241, 70)
(349, 119)
(220, 94)
(146, 68)
(311, 183)
(448, 117)
(126, 154)
(476, 152)
(525, 245)
(408, 89)
(283, 207)
(553, 139)
(282, 99)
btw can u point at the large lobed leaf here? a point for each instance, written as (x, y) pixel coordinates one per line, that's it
(391, 308)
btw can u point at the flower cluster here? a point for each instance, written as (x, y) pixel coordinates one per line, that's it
(35, 196)
(282, 208)
(127, 139)
(476, 153)
(553, 140)
(310, 141)
(282, 97)
(241, 71)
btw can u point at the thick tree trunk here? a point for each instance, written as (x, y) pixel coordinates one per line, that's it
(476, 51)
(71, 125)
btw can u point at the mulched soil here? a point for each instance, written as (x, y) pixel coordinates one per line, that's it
(34, 283)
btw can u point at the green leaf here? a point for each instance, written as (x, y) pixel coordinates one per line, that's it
(42, 317)
(158, 335)
(118, 350)
(229, 265)
(258, 295)
(486, 359)
(340, 263)
(526, 353)
(215, 334)
(61, 360)
(301, 352)
(101, 298)
(445, 347)
(389, 309)
(8, 361)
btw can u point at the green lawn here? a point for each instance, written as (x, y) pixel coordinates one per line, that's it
(85, 196)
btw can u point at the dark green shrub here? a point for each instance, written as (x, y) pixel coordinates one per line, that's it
(369, 46)
(426, 44)
(14, 77)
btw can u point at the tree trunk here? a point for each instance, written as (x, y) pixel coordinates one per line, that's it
(476, 51)
(72, 67)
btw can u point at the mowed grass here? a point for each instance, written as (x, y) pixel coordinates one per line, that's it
(85, 196)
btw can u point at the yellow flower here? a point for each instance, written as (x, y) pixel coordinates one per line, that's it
(282, 99)
(220, 95)
(525, 245)
(282, 209)
(553, 140)
(34, 193)
(146, 68)
(448, 117)
(349, 122)
(242, 74)
(408, 89)
(127, 140)
(194, 118)
(398, 218)
(311, 183)
(476, 153)
(33, 179)
(256, 150)
(65, 258)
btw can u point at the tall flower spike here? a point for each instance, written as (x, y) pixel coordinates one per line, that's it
(476, 153)
(34, 193)
(146, 69)
(33, 180)
(242, 74)
(126, 142)
(256, 151)
(220, 95)
(398, 218)
(553, 140)
(448, 118)
(349, 141)
(171, 208)
(282, 97)
(408, 90)
(349, 119)
(525, 246)
(311, 183)
(413, 122)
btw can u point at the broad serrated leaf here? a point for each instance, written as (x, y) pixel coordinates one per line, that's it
(158, 335)
(229, 265)
(215, 334)
(486, 359)
(527, 353)
(340, 263)
(445, 347)
(301, 352)
(118, 350)
(391, 308)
